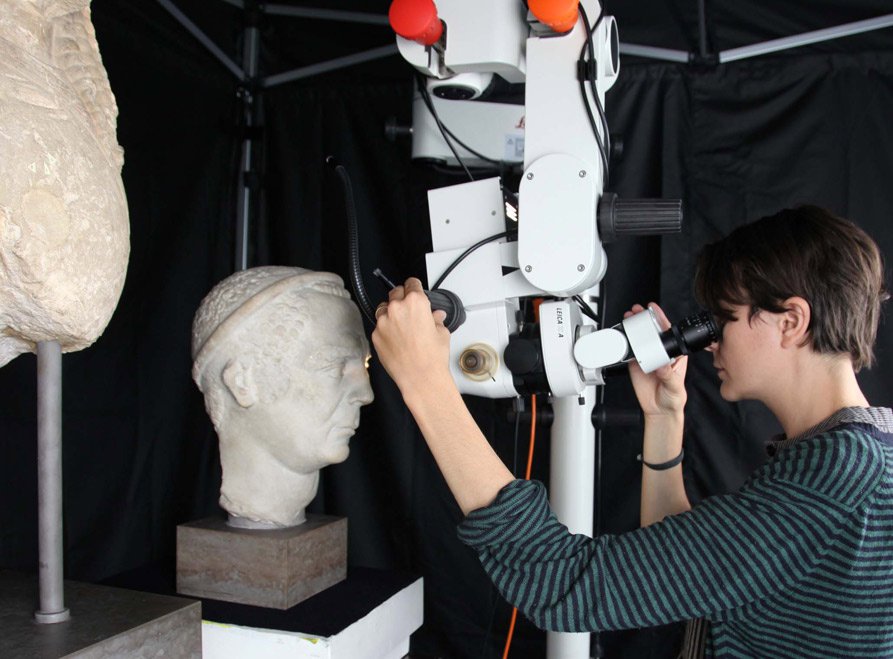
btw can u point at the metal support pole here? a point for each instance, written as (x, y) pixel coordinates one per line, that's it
(250, 103)
(331, 65)
(49, 483)
(200, 36)
(702, 28)
(328, 14)
(652, 52)
(571, 492)
(845, 30)
(764, 48)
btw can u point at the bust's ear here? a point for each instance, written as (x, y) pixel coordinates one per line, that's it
(239, 379)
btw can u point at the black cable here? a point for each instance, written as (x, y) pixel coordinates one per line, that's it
(604, 143)
(464, 255)
(597, 522)
(423, 90)
(588, 45)
(356, 279)
(515, 450)
(585, 308)
(606, 134)
(601, 15)
(600, 401)
(430, 105)
(601, 149)
(469, 149)
(447, 171)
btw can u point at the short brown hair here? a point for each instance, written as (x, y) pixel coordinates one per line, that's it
(806, 252)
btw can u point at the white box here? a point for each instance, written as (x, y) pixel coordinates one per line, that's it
(383, 633)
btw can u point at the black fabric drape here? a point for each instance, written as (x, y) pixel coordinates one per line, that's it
(734, 142)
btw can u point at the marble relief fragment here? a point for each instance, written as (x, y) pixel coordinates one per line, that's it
(64, 230)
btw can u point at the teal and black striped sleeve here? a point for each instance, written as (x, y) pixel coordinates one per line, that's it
(725, 553)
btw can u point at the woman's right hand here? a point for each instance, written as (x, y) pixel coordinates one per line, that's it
(661, 392)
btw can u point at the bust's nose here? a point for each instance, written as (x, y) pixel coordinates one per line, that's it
(360, 388)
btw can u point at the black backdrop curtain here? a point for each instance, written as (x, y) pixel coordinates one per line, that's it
(734, 142)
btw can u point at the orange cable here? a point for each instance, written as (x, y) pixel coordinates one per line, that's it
(532, 436)
(508, 639)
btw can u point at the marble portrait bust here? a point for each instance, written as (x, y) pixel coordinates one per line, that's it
(64, 231)
(281, 357)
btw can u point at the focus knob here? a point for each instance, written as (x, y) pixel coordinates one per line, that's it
(637, 217)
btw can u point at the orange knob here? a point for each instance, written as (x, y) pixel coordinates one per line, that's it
(560, 15)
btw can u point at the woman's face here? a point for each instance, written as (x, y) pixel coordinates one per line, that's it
(744, 356)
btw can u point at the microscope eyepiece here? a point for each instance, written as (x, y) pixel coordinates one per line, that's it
(690, 334)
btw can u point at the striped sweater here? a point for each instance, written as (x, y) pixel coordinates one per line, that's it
(797, 563)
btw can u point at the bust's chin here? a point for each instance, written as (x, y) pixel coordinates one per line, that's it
(266, 513)
(337, 446)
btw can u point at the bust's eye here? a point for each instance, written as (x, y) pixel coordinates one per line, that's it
(334, 368)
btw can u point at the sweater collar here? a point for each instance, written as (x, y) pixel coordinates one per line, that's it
(879, 417)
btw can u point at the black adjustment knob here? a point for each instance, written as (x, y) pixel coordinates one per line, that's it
(637, 217)
(612, 417)
(522, 356)
(448, 302)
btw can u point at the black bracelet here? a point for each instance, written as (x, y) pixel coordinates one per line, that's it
(663, 465)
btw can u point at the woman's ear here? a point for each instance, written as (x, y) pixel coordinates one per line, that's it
(794, 322)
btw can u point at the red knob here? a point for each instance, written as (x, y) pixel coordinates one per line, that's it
(416, 20)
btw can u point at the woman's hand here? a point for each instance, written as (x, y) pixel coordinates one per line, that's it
(661, 392)
(411, 341)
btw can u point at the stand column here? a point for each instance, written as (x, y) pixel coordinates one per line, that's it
(571, 490)
(49, 483)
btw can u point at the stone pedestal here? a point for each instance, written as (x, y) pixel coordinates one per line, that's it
(269, 568)
(105, 622)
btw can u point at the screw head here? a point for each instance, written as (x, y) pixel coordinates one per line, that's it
(447, 221)
(528, 268)
(471, 361)
(582, 173)
(581, 268)
(530, 176)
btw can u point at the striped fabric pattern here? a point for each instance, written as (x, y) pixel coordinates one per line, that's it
(694, 645)
(798, 563)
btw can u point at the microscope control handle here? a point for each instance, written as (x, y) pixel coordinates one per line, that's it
(449, 302)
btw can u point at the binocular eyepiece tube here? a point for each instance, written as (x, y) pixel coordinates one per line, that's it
(653, 348)
(691, 334)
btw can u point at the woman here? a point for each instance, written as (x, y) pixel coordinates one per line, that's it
(798, 562)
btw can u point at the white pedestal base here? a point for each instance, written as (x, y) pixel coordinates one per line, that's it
(383, 633)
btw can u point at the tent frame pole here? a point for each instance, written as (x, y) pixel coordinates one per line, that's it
(249, 95)
(815, 36)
